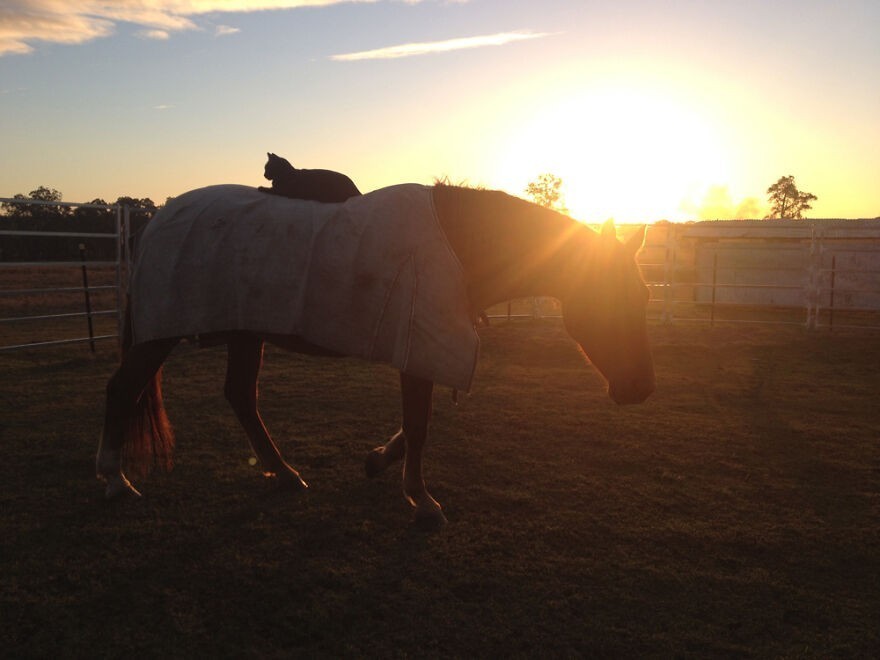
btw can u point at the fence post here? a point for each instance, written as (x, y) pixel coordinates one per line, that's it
(668, 273)
(85, 278)
(127, 244)
(814, 285)
(714, 280)
(831, 301)
(120, 252)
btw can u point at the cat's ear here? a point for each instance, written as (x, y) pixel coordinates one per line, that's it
(269, 155)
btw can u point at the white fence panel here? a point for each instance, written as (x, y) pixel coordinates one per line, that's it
(792, 271)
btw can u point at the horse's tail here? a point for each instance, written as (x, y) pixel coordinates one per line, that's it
(148, 437)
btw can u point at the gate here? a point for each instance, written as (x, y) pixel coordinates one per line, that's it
(45, 270)
(815, 273)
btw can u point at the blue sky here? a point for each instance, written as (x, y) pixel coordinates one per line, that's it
(647, 110)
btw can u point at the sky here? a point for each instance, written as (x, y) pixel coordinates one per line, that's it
(646, 110)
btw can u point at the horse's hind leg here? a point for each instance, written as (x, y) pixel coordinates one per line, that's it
(244, 358)
(139, 365)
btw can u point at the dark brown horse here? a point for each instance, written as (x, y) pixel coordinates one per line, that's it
(507, 248)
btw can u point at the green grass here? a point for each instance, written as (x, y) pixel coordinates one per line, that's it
(734, 514)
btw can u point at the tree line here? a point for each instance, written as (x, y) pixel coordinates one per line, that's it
(52, 216)
(784, 198)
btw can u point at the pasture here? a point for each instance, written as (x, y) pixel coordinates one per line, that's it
(734, 514)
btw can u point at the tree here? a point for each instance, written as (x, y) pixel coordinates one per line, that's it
(36, 211)
(13, 209)
(93, 219)
(145, 204)
(44, 194)
(37, 217)
(786, 201)
(545, 191)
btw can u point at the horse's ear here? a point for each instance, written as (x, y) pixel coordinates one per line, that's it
(608, 230)
(635, 242)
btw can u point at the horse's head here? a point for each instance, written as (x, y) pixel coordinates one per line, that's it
(604, 311)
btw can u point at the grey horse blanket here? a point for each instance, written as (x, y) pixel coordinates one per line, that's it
(373, 277)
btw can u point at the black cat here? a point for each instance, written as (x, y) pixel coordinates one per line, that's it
(316, 185)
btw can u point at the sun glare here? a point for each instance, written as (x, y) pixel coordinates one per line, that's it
(621, 152)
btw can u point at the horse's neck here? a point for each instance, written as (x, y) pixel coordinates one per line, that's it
(508, 248)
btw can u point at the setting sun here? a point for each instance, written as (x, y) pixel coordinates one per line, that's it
(645, 112)
(625, 152)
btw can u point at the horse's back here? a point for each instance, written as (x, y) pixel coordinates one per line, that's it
(372, 277)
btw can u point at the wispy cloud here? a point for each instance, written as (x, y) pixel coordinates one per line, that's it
(428, 47)
(225, 30)
(158, 35)
(24, 22)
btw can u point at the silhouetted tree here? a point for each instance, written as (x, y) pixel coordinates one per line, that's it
(142, 211)
(145, 204)
(786, 201)
(545, 190)
(92, 219)
(34, 217)
(57, 218)
(11, 208)
(44, 194)
(36, 211)
(86, 212)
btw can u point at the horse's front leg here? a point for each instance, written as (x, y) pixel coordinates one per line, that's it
(416, 397)
(244, 359)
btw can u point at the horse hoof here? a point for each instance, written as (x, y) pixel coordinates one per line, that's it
(429, 521)
(120, 489)
(375, 463)
(292, 484)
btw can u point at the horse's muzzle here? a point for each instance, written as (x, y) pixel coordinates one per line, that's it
(635, 391)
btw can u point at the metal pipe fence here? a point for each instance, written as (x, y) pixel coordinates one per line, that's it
(23, 281)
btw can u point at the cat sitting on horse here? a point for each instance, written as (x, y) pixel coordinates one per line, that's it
(316, 185)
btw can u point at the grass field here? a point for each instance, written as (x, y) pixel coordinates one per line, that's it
(735, 514)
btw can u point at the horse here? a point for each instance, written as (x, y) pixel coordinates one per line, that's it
(502, 247)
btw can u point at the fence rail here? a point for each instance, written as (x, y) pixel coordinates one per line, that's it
(119, 215)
